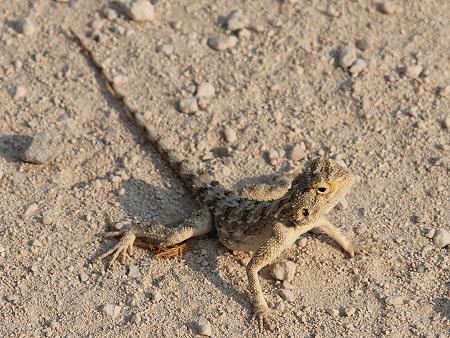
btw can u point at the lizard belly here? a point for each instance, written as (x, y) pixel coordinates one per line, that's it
(243, 238)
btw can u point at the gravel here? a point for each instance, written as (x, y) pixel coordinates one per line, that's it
(19, 92)
(347, 56)
(43, 149)
(283, 271)
(112, 310)
(188, 105)
(229, 135)
(141, 10)
(204, 327)
(236, 20)
(287, 295)
(206, 90)
(394, 300)
(387, 7)
(413, 71)
(298, 152)
(222, 42)
(441, 238)
(26, 27)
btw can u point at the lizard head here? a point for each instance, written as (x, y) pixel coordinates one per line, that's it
(316, 191)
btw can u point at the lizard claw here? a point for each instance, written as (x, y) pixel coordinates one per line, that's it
(266, 319)
(123, 249)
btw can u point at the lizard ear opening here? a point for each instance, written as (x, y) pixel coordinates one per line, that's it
(323, 188)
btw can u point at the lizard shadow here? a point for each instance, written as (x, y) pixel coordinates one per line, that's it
(141, 202)
(442, 306)
(12, 146)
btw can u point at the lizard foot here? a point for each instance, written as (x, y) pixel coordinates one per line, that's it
(266, 319)
(123, 249)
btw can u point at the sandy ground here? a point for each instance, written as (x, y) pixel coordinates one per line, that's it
(382, 106)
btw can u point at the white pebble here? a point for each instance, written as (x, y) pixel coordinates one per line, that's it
(333, 312)
(84, 276)
(349, 311)
(141, 10)
(189, 105)
(166, 49)
(283, 271)
(30, 211)
(206, 90)
(236, 20)
(26, 27)
(357, 67)
(109, 13)
(347, 55)
(446, 122)
(133, 271)
(413, 71)
(445, 91)
(287, 295)
(394, 300)
(112, 310)
(387, 7)
(441, 238)
(204, 327)
(19, 92)
(222, 42)
(229, 135)
(298, 152)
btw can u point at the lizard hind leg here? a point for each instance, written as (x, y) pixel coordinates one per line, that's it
(198, 223)
(159, 237)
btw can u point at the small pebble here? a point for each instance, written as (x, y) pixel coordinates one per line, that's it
(136, 318)
(229, 135)
(441, 238)
(222, 42)
(109, 13)
(342, 204)
(287, 295)
(333, 312)
(445, 91)
(83, 276)
(236, 20)
(244, 34)
(26, 27)
(283, 271)
(394, 300)
(357, 67)
(19, 92)
(30, 211)
(298, 152)
(272, 155)
(349, 311)
(347, 56)
(413, 71)
(188, 105)
(206, 90)
(430, 233)
(133, 272)
(166, 49)
(44, 148)
(446, 123)
(112, 310)
(301, 242)
(362, 44)
(204, 327)
(141, 10)
(387, 7)
(155, 295)
(2, 249)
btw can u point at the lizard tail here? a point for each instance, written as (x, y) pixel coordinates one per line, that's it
(191, 179)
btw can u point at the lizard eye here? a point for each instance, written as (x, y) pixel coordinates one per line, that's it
(323, 188)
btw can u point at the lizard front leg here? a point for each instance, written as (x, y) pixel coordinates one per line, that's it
(336, 235)
(283, 237)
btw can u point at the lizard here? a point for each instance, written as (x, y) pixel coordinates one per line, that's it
(265, 219)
